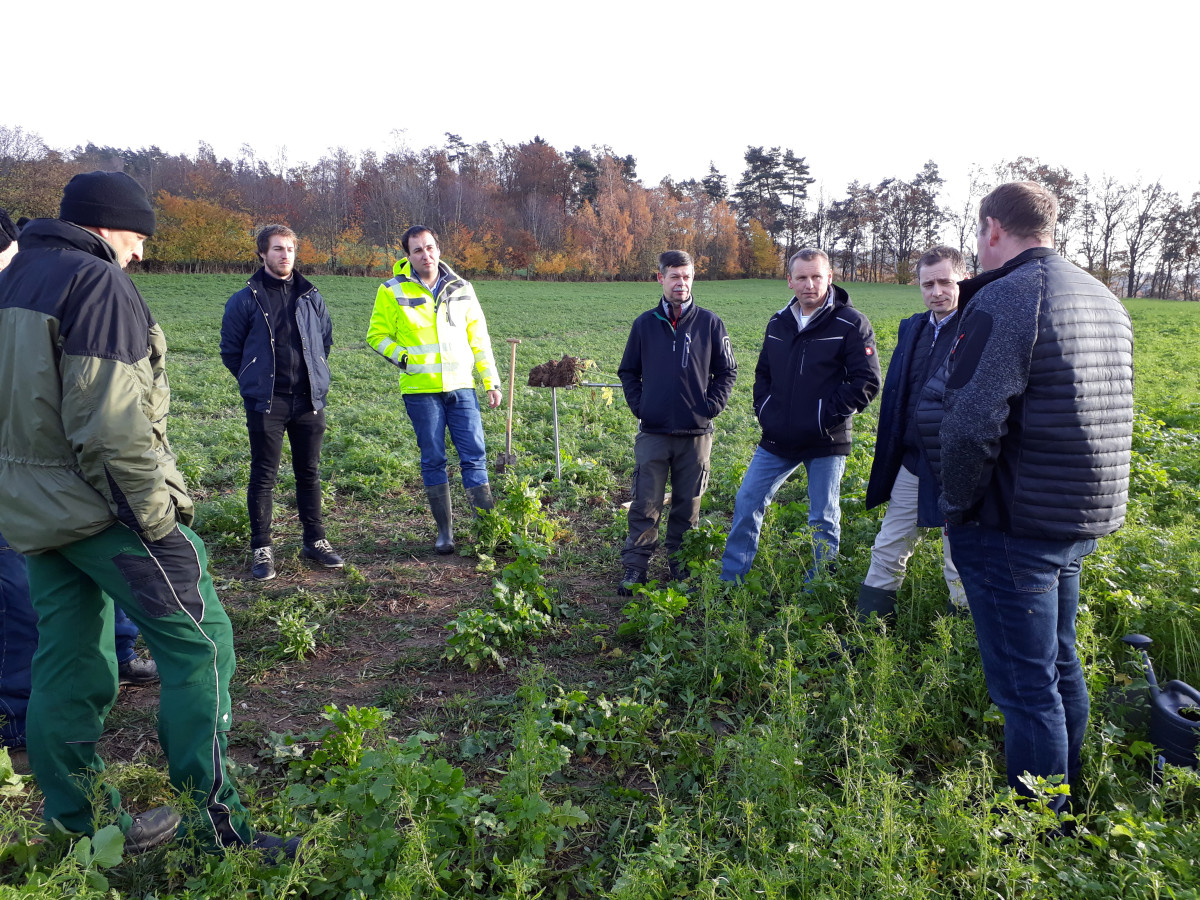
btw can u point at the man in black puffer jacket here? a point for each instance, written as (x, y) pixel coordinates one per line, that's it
(678, 371)
(816, 370)
(1028, 426)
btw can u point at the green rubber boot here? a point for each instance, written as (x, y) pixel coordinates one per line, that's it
(480, 497)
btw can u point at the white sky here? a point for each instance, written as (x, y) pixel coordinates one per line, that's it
(864, 90)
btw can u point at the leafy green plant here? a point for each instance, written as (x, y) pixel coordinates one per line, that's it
(616, 727)
(342, 743)
(518, 513)
(531, 823)
(652, 612)
(524, 574)
(297, 638)
(478, 635)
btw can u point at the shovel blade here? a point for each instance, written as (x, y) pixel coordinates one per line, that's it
(503, 461)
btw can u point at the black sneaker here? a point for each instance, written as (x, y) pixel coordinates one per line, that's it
(321, 552)
(264, 564)
(138, 671)
(632, 578)
(151, 828)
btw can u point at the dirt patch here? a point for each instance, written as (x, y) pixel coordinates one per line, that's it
(382, 644)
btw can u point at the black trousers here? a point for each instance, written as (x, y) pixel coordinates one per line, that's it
(684, 460)
(305, 430)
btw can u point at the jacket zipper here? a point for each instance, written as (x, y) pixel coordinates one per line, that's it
(271, 332)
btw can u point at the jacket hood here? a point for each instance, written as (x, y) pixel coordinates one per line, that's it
(56, 234)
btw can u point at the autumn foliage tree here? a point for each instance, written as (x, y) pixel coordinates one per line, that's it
(534, 211)
(199, 236)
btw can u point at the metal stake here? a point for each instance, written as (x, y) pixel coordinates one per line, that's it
(557, 457)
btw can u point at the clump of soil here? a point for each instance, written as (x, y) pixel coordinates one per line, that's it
(564, 372)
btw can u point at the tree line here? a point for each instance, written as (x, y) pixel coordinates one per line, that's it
(530, 210)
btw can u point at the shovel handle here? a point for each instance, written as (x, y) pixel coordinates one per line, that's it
(512, 375)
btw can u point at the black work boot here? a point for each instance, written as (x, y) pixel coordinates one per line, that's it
(679, 569)
(632, 578)
(876, 601)
(137, 671)
(151, 828)
(439, 505)
(480, 497)
(263, 568)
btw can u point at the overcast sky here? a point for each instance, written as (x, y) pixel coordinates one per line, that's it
(863, 90)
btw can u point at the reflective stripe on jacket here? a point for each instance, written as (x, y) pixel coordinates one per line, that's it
(434, 341)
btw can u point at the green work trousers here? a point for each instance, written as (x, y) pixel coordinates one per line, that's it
(164, 586)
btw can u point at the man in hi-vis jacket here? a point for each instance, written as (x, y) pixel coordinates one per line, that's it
(428, 323)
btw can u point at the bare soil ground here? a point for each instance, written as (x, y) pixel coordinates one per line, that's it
(383, 643)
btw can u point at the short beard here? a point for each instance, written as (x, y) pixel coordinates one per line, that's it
(275, 274)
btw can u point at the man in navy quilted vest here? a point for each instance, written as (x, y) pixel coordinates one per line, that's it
(1029, 426)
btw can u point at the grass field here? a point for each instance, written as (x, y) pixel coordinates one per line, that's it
(505, 727)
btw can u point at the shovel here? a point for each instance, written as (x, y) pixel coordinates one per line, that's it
(508, 458)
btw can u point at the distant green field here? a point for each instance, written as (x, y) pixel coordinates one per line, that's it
(367, 424)
(592, 321)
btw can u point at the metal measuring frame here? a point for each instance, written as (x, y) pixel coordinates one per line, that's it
(554, 403)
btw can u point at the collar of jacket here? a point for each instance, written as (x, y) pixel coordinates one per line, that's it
(837, 299)
(658, 311)
(969, 288)
(403, 270)
(57, 234)
(303, 285)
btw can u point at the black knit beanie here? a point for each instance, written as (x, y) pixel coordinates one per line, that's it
(8, 231)
(107, 200)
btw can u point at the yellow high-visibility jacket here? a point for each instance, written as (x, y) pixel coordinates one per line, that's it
(434, 341)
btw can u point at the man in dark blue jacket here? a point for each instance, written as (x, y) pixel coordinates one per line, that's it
(678, 371)
(900, 476)
(1029, 426)
(816, 370)
(275, 339)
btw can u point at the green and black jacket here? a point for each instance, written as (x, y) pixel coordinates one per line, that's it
(83, 397)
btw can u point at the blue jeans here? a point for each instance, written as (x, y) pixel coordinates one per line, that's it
(125, 632)
(1024, 593)
(765, 475)
(431, 415)
(18, 641)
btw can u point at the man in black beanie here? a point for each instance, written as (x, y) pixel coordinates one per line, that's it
(89, 491)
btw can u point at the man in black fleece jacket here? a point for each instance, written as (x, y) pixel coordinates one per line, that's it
(1028, 426)
(677, 372)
